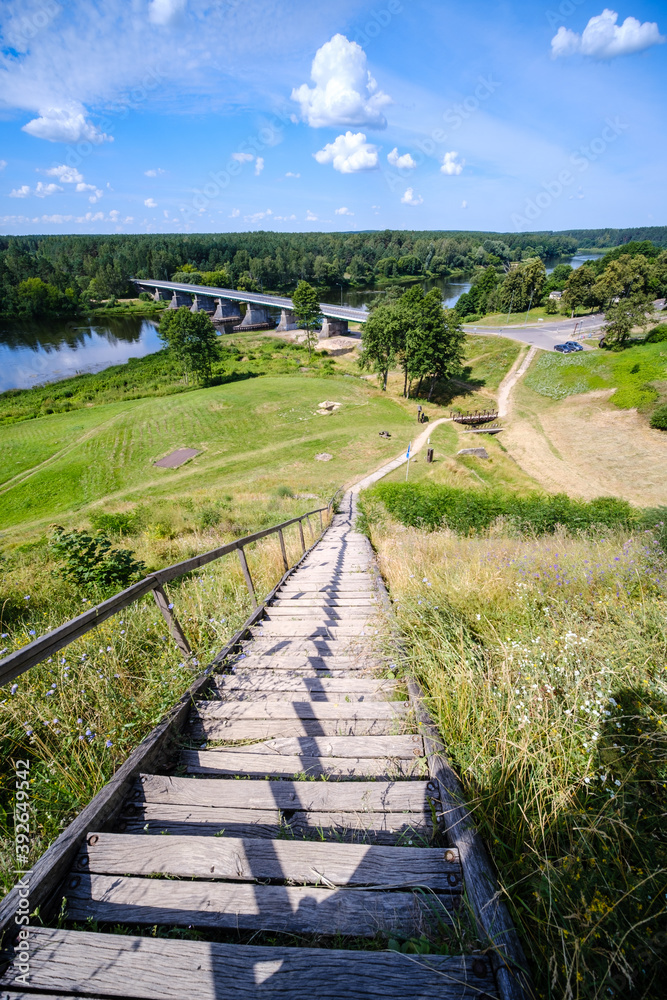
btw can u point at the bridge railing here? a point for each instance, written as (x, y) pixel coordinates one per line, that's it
(46, 645)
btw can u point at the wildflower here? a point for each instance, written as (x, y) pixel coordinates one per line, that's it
(4, 635)
(108, 744)
(89, 732)
(109, 649)
(14, 688)
(27, 597)
(79, 722)
(32, 632)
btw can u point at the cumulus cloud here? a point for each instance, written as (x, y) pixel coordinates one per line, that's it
(65, 174)
(603, 38)
(345, 93)
(65, 125)
(243, 157)
(95, 196)
(257, 216)
(290, 174)
(310, 217)
(41, 191)
(21, 192)
(464, 204)
(344, 211)
(235, 213)
(410, 198)
(164, 11)
(259, 165)
(349, 153)
(450, 164)
(114, 214)
(150, 203)
(154, 173)
(405, 162)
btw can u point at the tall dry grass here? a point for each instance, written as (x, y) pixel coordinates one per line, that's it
(78, 715)
(544, 662)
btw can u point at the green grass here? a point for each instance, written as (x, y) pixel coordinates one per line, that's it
(253, 435)
(544, 664)
(630, 373)
(518, 318)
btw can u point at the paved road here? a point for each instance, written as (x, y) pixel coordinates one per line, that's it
(547, 334)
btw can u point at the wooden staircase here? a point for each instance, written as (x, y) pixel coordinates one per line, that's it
(277, 858)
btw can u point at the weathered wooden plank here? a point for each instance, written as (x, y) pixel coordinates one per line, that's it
(273, 765)
(324, 601)
(297, 629)
(148, 968)
(280, 657)
(248, 859)
(266, 683)
(403, 747)
(289, 909)
(260, 729)
(306, 709)
(318, 796)
(318, 613)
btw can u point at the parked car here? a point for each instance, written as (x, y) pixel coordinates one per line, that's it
(563, 348)
(573, 345)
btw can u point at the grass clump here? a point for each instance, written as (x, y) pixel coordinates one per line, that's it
(543, 660)
(659, 418)
(467, 511)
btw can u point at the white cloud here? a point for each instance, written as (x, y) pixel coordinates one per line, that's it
(65, 125)
(345, 93)
(65, 174)
(150, 203)
(95, 196)
(113, 214)
(349, 153)
(259, 165)
(310, 217)
(128, 218)
(164, 11)
(450, 165)
(21, 192)
(410, 198)
(284, 218)
(44, 190)
(464, 204)
(90, 217)
(154, 173)
(344, 211)
(243, 157)
(257, 216)
(235, 213)
(290, 174)
(404, 162)
(3, 164)
(603, 38)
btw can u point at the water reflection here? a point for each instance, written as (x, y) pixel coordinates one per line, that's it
(47, 351)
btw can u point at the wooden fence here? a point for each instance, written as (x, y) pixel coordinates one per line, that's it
(35, 652)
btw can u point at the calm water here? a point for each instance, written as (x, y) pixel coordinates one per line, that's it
(33, 353)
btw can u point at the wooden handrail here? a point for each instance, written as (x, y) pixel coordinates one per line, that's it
(46, 645)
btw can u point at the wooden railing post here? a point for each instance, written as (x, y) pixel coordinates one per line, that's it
(312, 533)
(282, 549)
(246, 573)
(172, 621)
(303, 541)
(321, 521)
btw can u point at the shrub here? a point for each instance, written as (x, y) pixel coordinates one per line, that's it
(657, 334)
(115, 524)
(209, 517)
(471, 511)
(90, 562)
(659, 418)
(284, 491)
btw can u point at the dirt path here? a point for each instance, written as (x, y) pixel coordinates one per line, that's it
(416, 446)
(518, 369)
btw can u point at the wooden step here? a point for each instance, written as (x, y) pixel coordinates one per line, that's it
(297, 611)
(319, 796)
(248, 860)
(253, 659)
(316, 629)
(296, 709)
(397, 747)
(149, 968)
(319, 646)
(275, 765)
(287, 909)
(361, 827)
(265, 683)
(262, 729)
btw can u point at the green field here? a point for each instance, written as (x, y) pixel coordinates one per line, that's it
(253, 436)
(636, 374)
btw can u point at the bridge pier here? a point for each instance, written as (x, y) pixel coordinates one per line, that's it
(161, 295)
(256, 318)
(333, 328)
(203, 303)
(180, 299)
(287, 321)
(226, 312)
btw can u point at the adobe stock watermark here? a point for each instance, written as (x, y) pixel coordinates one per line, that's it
(30, 25)
(581, 159)
(454, 117)
(379, 20)
(564, 10)
(21, 852)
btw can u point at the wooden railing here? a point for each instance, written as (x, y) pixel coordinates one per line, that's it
(22, 659)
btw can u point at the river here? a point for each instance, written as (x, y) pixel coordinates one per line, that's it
(48, 350)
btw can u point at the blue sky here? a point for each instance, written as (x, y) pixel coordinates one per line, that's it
(189, 115)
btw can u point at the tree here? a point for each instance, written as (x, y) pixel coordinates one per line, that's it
(307, 310)
(192, 339)
(622, 286)
(579, 287)
(381, 340)
(436, 342)
(624, 315)
(38, 298)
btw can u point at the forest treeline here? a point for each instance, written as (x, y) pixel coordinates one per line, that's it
(61, 275)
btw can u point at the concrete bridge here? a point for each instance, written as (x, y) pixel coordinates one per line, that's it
(221, 304)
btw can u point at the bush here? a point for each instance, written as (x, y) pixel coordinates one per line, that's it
(656, 335)
(90, 562)
(659, 418)
(470, 511)
(284, 491)
(115, 524)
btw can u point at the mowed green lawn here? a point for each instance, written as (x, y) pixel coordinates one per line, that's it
(253, 436)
